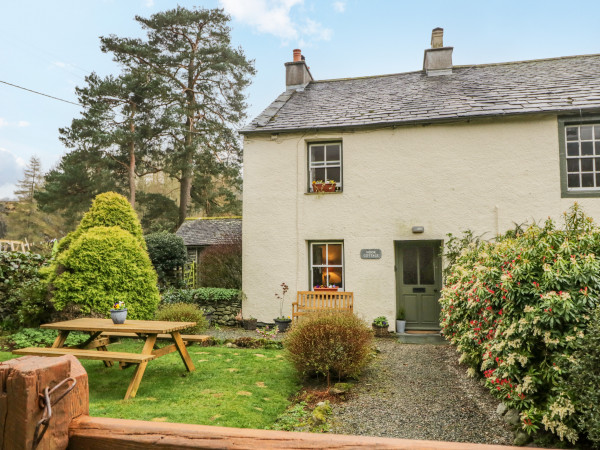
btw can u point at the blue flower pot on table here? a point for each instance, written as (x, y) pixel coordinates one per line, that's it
(118, 316)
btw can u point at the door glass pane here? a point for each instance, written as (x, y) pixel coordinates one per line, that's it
(317, 153)
(334, 256)
(409, 265)
(426, 272)
(319, 254)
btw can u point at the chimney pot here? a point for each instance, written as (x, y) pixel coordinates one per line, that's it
(437, 38)
(297, 73)
(437, 59)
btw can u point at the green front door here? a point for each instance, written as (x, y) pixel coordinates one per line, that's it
(418, 283)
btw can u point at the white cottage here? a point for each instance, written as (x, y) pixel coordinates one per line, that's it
(414, 156)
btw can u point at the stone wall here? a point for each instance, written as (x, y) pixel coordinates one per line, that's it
(225, 311)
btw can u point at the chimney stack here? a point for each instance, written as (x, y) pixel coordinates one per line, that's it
(297, 75)
(438, 59)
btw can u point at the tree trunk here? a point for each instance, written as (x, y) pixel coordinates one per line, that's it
(131, 168)
(187, 173)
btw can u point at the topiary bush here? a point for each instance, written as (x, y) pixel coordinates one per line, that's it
(518, 310)
(184, 312)
(104, 265)
(19, 279)
(108, 209)
(329, 343)
(167, 253)
(221, 265)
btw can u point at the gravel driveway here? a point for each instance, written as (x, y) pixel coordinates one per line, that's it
(420, 392)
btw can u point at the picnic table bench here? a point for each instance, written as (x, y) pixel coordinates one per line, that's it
(100, 329)
(310, 301)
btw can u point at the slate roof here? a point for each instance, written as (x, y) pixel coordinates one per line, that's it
(210, 230)
(554, 85)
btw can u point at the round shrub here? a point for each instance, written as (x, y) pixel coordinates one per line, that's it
(167, 253)
(108, 210)
(102, 266)
(184, 312)
(519, 308)
(329, 343)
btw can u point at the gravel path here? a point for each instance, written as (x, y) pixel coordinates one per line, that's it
(420, 392)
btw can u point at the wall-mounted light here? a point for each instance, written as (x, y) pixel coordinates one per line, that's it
(418, 229)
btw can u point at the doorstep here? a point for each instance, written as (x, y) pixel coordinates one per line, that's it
(422, 337)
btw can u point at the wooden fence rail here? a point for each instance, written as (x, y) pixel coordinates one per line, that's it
(22, 380)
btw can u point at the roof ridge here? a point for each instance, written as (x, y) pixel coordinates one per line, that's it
(462, 66)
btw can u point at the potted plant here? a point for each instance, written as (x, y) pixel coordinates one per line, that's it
(249, 323)
(283, 322)
(380, 326)
(118, 313)
(323, 186)
(400, 321)
(328, 287)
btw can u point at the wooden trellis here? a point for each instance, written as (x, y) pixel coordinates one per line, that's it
(14, 246)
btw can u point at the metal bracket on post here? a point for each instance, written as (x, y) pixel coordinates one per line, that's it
(46, 404)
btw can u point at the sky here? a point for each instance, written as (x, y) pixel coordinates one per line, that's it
(50, 46)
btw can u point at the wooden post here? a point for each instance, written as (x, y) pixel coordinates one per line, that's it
(21, 382)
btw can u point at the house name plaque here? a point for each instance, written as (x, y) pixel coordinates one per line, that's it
(370, 253)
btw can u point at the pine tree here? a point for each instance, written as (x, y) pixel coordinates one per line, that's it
(203, 79)
(31, 182)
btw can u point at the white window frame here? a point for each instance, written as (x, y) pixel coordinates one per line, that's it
(324, 164)
(312, 265)
(595, 141)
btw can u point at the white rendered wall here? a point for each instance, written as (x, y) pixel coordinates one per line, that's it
(484, 176)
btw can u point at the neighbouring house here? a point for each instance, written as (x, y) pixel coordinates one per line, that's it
(414, 156)
(201, 233)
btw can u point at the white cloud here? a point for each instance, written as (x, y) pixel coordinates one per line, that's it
(339, 6)
(275, 17)
(6, 123)
(11, 168)
(149, 3)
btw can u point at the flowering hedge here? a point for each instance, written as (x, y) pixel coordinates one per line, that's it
(517, 310)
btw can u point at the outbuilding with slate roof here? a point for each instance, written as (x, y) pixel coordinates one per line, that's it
(357, 182)
(200, 233)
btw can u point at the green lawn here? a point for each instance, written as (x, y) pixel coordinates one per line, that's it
(231, 387)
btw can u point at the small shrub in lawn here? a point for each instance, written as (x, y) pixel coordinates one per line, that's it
(329, 343)
(167, 253)
(247, 342)
(36, 337)
(184, 312)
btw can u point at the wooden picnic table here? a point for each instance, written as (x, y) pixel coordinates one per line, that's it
(146, 329)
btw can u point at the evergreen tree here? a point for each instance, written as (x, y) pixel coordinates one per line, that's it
(80, 175)
(26, 222)
(120, 120)
(203, 79)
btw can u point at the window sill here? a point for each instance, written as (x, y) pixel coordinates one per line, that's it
(323, 193)
(580, 193)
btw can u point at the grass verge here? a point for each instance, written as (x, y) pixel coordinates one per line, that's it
(232, 387)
